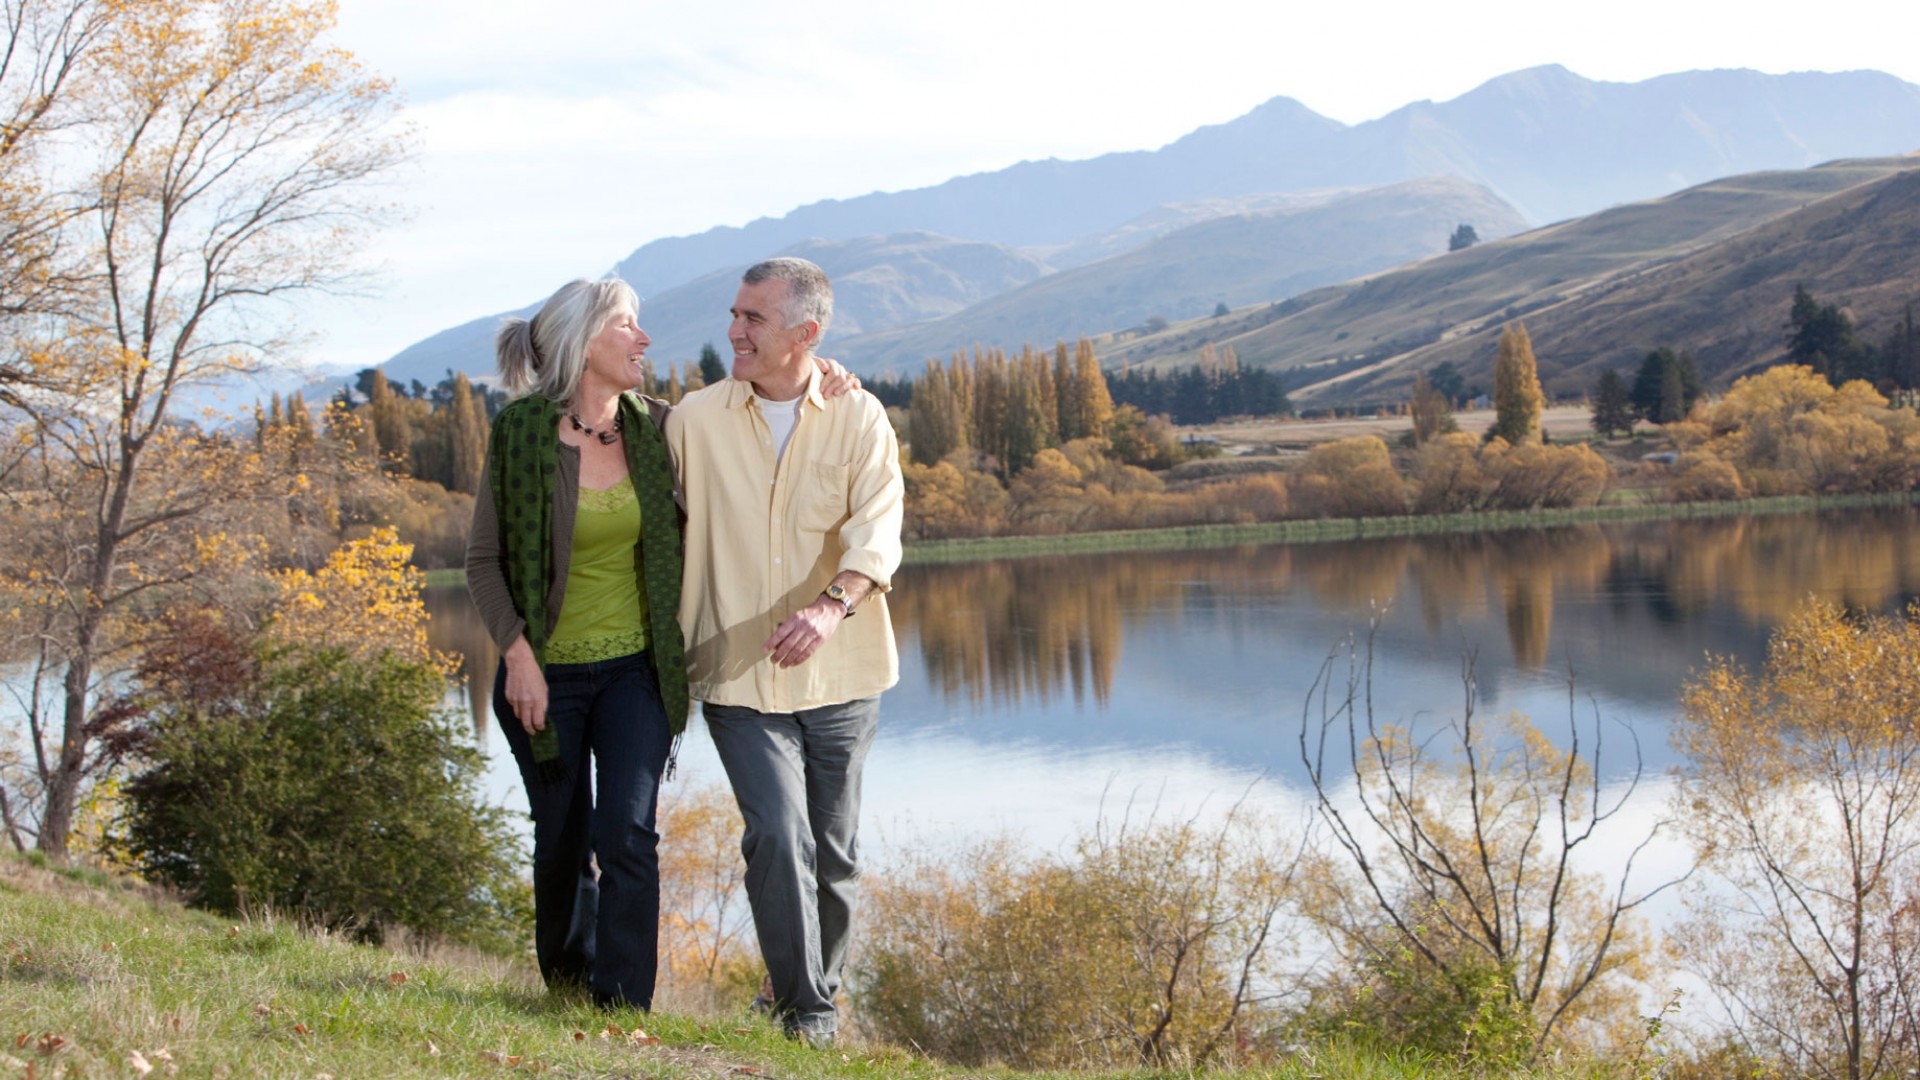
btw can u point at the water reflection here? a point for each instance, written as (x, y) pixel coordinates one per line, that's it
(1012, 670)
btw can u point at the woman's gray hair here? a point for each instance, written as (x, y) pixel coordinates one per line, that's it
(547, 354)
(809, 294)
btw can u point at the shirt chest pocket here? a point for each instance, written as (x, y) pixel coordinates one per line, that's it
(820, 500)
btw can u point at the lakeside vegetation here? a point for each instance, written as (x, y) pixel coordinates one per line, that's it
(107, 977)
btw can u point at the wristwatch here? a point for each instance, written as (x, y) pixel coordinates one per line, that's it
(839, 595)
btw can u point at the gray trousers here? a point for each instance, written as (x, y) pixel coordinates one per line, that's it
(796, 777)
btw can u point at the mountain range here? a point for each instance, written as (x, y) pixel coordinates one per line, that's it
(1048, 249)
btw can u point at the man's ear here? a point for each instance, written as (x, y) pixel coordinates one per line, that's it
(809, 333)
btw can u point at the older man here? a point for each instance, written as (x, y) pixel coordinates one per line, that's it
(794, 507)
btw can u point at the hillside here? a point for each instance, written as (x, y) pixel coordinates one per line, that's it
(1710, 268)
(1236, 260)
(1547, 141)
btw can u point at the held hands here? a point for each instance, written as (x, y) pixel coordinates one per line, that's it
(804, 632)
(526, 687)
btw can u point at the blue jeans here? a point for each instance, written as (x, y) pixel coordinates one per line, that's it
(604, 933)
(796, 777)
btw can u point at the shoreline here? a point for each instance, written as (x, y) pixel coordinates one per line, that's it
(1321, 530)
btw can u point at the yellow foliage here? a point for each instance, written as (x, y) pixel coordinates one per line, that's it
(365, 600)
(1348, 478)
(1803, 784)
(1786, 431)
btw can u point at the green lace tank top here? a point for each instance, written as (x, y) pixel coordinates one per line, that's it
(604, 611)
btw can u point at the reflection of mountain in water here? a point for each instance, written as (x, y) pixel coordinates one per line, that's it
(1219, 648)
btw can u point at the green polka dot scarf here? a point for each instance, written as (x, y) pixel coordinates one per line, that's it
(526, 456)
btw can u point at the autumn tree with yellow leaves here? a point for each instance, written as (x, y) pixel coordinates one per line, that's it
(1803, 783)
(174, 170)
(1517, 397)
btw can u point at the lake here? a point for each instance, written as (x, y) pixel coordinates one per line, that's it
(1034, 692)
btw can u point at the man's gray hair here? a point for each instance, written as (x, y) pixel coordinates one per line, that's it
(809, 293)
(547, 354)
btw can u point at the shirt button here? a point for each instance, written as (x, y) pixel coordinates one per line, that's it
(776, 560)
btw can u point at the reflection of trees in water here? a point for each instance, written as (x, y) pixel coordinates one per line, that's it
(454, 626)
(1770, 566)
(1042, 627)
(1051, 627)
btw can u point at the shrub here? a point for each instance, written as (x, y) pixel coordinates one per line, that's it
(1148, 947)
(1348, 478)
(328, 786)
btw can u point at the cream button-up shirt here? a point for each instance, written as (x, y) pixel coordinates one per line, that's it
(766, 534)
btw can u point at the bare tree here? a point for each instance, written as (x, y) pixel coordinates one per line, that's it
(1463, 849)
(232, 153)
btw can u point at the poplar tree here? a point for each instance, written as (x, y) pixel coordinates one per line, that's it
(469, 436)
(1517, 397)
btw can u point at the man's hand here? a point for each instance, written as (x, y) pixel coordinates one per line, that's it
(526, 686)
(804, 632)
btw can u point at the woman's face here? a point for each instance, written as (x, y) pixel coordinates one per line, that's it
(614, 354)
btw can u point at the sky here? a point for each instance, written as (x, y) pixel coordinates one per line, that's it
(549, 146)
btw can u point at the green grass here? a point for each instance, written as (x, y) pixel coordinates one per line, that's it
(95, 969)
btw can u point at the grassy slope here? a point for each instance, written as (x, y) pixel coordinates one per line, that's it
(96, 970)
(1688, 270)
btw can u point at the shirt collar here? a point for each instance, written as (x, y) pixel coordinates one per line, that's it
(739, 391)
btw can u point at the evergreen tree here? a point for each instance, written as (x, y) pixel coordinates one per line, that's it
(1517, 397)
(1821, 336)
(1612, 405)
(1447, 379)
(711, 369)
(1463, 237)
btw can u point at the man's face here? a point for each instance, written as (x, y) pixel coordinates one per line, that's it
(762, 342)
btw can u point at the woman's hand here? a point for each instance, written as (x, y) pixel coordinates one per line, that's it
(526, 686)
(835, 379)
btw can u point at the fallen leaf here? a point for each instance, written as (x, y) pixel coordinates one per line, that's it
(579, 1036)
(397, 978)
(302, 1029)
(51, 1044)
(613, 1030)
(232, 932)
(21, 1042)
(261, 1008)
(640, 1038)
(161, 1055)
(138, 1062)
(106, 946)
(432, 1050)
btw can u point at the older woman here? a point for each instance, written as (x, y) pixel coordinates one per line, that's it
(574, 564)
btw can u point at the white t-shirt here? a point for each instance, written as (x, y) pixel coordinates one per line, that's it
(781, 416)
